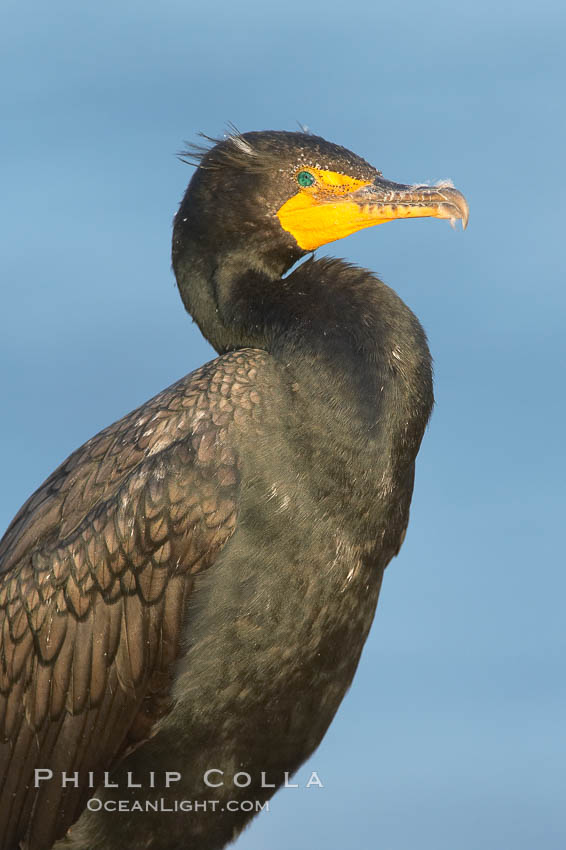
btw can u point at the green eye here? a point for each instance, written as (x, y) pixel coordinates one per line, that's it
(305, 178)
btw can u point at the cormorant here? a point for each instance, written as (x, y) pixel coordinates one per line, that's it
(190, 591)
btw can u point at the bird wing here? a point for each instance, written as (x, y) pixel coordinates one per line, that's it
(95, 571)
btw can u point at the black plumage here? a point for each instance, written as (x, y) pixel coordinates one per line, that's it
(192, 588)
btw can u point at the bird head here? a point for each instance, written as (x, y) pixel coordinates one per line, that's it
(285, 194)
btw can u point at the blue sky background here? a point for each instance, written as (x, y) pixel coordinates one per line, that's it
(453, 733)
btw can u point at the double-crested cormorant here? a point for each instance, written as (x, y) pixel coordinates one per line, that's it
(190, 591)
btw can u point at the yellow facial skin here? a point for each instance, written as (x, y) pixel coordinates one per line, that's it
(334, 206)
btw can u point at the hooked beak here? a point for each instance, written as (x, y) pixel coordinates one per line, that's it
(337, 205)
(384, 201)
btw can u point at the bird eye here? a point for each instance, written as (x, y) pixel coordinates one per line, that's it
(305, 178)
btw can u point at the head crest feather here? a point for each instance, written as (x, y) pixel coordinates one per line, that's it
(233, 149)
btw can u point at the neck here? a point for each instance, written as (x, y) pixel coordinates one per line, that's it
(354, 346)
(209, 281)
